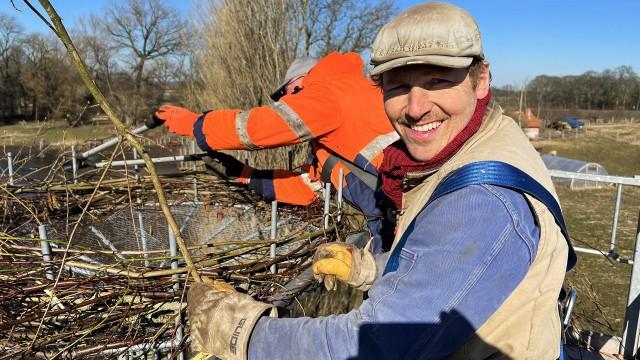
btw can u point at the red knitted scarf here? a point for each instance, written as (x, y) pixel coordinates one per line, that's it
(397, 161)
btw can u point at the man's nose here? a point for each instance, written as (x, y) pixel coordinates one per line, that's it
(419, 103)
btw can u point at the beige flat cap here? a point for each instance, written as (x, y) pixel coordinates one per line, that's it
(432, 33)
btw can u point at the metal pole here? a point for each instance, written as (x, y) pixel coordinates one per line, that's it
(135, 166)
(630, 341)
(290, 160)
(109, 143)
(165, 159)
(74, 164)
(195, 168)
(339, 200)
(179, 335)
(46, 250)
(143, 238)
(173, 249)
(327, 198)
(10, 165)
(274, 233)
(616, 212)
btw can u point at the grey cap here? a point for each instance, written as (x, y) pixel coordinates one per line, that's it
(299, 66)
(433, 33)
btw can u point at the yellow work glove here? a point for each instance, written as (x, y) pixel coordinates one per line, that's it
(344, 262)
(222, 319)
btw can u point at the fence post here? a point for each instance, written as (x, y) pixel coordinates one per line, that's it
(173, 251)
(74, 164)
(46, 250)
(616, 212)
(195, 168)
(274, 233)
(10, 166)
(143, 238)
(630, 339)
(135, 167)
(327, 198)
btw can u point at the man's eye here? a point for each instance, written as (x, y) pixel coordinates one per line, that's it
(397, 88)
(439, 81)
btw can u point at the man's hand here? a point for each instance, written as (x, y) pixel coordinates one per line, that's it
(222, 320)
(227, 167)
(177, 119)
(345, 262)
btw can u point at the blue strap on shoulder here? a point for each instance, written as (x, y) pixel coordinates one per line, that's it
(491, 173)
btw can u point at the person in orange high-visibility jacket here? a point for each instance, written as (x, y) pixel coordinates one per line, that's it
(330, 104)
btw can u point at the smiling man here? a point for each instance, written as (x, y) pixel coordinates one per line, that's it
(476, 266)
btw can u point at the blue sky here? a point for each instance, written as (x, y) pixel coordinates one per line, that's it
(522, 38)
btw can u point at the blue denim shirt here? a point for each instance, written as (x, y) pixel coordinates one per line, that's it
(466, 253)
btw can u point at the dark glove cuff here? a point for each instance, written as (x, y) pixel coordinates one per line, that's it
(261, 182)
(201, 139)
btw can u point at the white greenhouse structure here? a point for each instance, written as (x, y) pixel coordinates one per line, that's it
(578, 166)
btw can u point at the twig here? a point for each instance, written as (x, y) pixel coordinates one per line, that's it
(121, 129)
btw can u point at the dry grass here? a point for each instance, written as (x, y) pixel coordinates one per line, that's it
(602, 284)
(53, 132)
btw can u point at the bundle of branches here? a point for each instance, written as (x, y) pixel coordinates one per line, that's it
(57, 201)
(87, 300)
(72, 305)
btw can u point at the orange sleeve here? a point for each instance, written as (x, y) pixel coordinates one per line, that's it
(293, 188)
(294, 119)
(284, 186)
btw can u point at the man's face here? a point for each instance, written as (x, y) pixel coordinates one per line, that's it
(428, 105)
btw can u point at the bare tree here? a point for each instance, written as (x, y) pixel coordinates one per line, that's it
(241, 53)
(142, 35)
(10, 86)
(10, 34)
(246, 46)
(98, 53)
(339, 25)
(145, 30)
(49, 79)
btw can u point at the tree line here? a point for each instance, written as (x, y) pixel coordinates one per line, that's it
(133, 49)
(611, 89)
(143, 53)
(229, 54)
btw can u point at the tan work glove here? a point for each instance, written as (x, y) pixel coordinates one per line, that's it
(345, 262)
(222, 320)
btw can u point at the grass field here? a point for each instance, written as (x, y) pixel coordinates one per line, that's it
(602, 283)
(57, 133)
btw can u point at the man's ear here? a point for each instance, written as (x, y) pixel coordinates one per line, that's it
(484, 81)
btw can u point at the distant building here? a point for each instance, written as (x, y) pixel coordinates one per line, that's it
(530, 123)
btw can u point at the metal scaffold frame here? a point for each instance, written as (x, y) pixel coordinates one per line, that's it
(631, 336)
